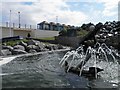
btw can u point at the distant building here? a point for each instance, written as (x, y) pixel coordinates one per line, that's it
(53, 26)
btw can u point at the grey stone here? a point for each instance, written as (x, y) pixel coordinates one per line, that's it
(41, 45)
(48, 47)
(32, 51)
(102, 40)
(45, 49)
(19, 47)
(60, 46)
(18, 51)
(54, 47)
(7, 47)
(5, 52)
(92, 27)
(90, 42)
(23, 43)
(33, 47)
(33, 42)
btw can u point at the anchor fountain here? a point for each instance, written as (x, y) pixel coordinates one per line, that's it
(99, 52)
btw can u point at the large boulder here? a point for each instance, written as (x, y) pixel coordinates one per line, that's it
(92, 27)
(33, 42)
(54, 47)
(32, 51)
(33, 47)
(45, 49)
(18, 51)
(89, 42)
(10, 48)
(23, 44)
(101, 40)
(41, 45)
(19, 47)
(5, 52)
(49, 47)
(60, 46)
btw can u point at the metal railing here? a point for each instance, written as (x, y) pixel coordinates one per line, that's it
(15, 25)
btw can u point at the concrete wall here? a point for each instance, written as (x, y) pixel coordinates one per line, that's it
(23, 33)
(45, 33)
(5, 32)
(0, 32)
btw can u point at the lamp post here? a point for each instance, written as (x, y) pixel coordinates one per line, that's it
(118, 10)
(57, 21)
(19, 19)
(10, 25)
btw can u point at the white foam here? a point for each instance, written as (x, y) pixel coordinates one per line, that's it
(2, 74)
(6, 60)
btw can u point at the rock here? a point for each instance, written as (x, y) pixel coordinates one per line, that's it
(5, 52)
(45, 49)
(32, 51)
(33, 47)
(54, 47)
(7, 47)
(23, 44)
(92, 27)
(60, 46)
(48, 47)
(33, 42)
(102, 40)
(41, 45)
(108, 28)
(18, 51)
(90, 42)
(19, 47)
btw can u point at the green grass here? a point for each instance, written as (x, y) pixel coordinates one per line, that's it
(82, 33)
(48, 38)
(12, 43)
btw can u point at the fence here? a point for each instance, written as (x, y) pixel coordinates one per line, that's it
(15, 25)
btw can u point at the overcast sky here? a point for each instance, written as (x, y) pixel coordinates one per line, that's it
(72, 12)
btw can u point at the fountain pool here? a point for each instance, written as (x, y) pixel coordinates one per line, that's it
(44, 71)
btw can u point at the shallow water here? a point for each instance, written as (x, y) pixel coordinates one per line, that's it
(44, 71)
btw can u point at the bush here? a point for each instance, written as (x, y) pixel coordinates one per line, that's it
(82, 33)
(63, 33)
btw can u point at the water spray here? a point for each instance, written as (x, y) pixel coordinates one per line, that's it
(101, 49)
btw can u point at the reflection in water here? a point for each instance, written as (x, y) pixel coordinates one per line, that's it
(43, 70)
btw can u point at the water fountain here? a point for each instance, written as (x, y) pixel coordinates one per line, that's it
(44, 68)
(99, 52)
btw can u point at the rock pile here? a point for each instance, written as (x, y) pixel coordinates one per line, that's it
(32, 46)
(108, 33)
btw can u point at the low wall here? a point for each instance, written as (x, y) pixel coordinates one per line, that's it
(45, 33)
(70, 41)
(5, 32)
(22, 33)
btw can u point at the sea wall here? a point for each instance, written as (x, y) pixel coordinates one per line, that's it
(35, 33)
(45, 33)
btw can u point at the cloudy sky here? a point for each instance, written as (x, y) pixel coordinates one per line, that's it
(72, 12)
